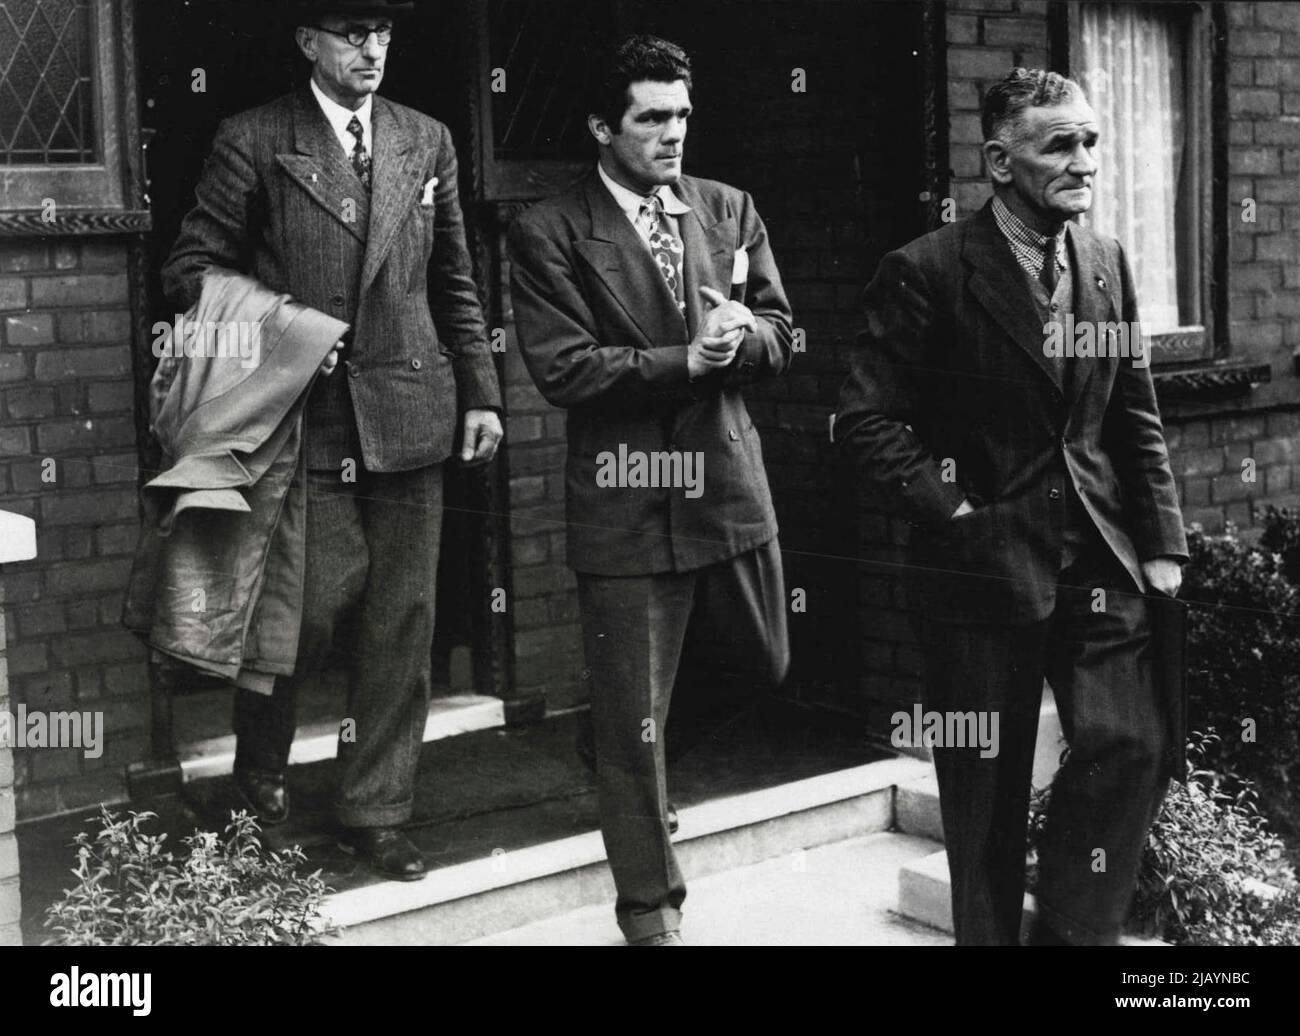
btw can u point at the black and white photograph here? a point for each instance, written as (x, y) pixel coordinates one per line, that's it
(602, 473)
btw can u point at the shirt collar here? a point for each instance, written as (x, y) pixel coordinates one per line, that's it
(339, 117)
(1018, 232)
(630, 202)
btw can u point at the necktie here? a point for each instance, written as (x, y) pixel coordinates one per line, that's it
(665, 247)
(360, 158)
(1048, 273)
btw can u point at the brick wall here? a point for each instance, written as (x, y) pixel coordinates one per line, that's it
(10, 901)
(66, 397)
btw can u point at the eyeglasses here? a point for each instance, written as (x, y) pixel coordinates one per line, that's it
(358, 34)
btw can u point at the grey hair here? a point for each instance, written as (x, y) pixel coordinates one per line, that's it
(1019, 89)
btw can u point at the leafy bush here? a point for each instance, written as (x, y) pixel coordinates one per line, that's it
(226, 892)
(1208, 856)
(1244, 659)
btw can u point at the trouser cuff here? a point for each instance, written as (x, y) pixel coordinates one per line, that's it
(642, 924)
(375, 816)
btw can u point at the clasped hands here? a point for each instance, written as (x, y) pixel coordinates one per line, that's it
(720, 335)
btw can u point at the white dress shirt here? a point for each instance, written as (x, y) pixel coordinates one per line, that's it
(630, 202)
(339, 117)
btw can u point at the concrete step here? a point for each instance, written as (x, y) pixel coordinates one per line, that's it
(509, 890)
(925, 896)
(841, 894)
(918, 801)
(317, 740)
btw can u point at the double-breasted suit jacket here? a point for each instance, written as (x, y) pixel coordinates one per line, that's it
(279, 200)
(602, 336)
(953, 396)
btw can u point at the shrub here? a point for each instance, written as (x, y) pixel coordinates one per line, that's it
(1244, 659)
(226, 892)
(1208, 857)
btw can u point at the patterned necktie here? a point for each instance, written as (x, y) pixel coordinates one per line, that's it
(665, 247)
(1048, 274)
(360, 158)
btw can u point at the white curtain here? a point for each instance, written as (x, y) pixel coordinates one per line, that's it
(1132, 70)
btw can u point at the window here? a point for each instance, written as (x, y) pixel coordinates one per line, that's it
(534, 137)
(59, 127)
(1146, 70)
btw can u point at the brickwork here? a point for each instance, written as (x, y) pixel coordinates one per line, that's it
(68, 460)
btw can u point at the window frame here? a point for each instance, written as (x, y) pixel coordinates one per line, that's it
(1205, 340)
(108, 196)
(504, 180)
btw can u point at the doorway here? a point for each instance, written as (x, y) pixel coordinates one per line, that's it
(200, 62)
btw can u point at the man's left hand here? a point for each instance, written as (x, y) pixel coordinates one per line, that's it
(1163, 576)
(483, 434)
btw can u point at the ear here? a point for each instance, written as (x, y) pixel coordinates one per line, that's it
(307, 43)
(997, 158)
(599, 128)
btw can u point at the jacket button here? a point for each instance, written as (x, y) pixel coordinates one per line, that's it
(337, 300)
(354, 372)
(416, 365)
(1055, 494)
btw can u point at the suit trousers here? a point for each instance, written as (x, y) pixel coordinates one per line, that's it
(368, 602)
(1094, 651)
(712, 638)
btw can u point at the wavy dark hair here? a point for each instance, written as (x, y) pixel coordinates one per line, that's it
(637, 59)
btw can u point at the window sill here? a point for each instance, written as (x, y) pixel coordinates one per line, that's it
(75, 223)
(1208, 382)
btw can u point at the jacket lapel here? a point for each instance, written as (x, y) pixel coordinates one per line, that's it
(620, 258)
(395, 186)
(709, 246)
(320, 167)
(1094, 302)
(998, 282)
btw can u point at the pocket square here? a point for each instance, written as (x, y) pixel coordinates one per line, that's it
(426, 196)
(739, 275)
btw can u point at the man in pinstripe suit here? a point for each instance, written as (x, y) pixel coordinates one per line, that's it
(1043, 507)
(348, 202)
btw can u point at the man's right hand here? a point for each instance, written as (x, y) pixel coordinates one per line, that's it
(331, 361)
(719, 335)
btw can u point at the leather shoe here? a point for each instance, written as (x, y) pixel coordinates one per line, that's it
(386, 850)
(661, 939)
(265, 794)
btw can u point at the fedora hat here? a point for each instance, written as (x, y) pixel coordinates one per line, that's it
(304, 11)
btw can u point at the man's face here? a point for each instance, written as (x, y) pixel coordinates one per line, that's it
(345, 73)
(648, 151)
(1050, 170)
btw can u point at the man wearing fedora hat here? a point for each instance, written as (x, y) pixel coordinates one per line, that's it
(348, 202)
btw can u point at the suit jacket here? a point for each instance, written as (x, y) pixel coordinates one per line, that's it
(279, 200)
(602, 336)
(952, 367)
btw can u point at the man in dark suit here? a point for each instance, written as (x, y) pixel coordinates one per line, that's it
(348, 202)
(1042, 507)
(620, 290)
